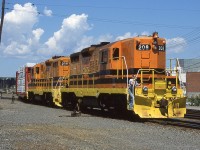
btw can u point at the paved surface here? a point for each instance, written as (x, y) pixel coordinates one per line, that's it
(28, 126)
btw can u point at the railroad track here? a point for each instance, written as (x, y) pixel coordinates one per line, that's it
(185, 123)
(191, 120)
(193, 114)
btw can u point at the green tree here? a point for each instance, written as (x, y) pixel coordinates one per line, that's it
(194, 100)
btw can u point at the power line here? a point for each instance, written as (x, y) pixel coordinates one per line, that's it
(111, 7)
(192, 65)
(112, 20)
(32, 12)
(191, 37)
(140, 23)
(118, 21)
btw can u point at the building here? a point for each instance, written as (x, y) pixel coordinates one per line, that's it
(193, 84)
(7, 84)
(191, 67)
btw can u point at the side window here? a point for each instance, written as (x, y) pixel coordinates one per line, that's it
(37, 70)
(104, 57)
(115, 54)
(74, 59)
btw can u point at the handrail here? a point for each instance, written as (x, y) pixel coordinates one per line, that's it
(124, 59)
(52, 84)
(177, 70)
(59, 79)
(141, 77)
(179, 73)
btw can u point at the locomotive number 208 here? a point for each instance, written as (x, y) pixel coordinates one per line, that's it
(143, 47)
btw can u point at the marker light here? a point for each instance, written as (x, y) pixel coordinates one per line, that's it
(155, 35)
(174, 89)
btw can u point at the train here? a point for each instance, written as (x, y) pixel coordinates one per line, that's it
(98, 77)
(22, 80)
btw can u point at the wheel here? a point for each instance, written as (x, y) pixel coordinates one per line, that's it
(102, 105)
(77, 112)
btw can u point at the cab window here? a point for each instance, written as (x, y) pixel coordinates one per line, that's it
(115, 54)
(37, 70)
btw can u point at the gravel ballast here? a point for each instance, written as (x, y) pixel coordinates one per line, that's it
(28, 126)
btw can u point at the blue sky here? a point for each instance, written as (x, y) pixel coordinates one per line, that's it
(36, 30)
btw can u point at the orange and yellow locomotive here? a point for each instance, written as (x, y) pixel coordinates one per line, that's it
(98, 76)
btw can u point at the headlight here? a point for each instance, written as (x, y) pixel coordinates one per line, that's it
(174, 89)
(145, 90)
(155, 47)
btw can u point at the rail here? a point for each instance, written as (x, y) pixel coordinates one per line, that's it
(191, 120)
(192, 114)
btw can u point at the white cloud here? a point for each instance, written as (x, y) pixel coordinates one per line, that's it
(17, 31)
(67, 38)
(126, 35)
(176, 45)
(145, 33)
(22, 39)
(37, 33)
(47, 12)
(86, 41)
(105, 38)
(15, 49)
(21, 17)
(34, 39)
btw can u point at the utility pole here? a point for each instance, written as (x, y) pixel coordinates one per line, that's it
(2, 18)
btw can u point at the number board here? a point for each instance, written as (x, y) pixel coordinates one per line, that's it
(64, 63)
(143, 47)
(161, 47)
